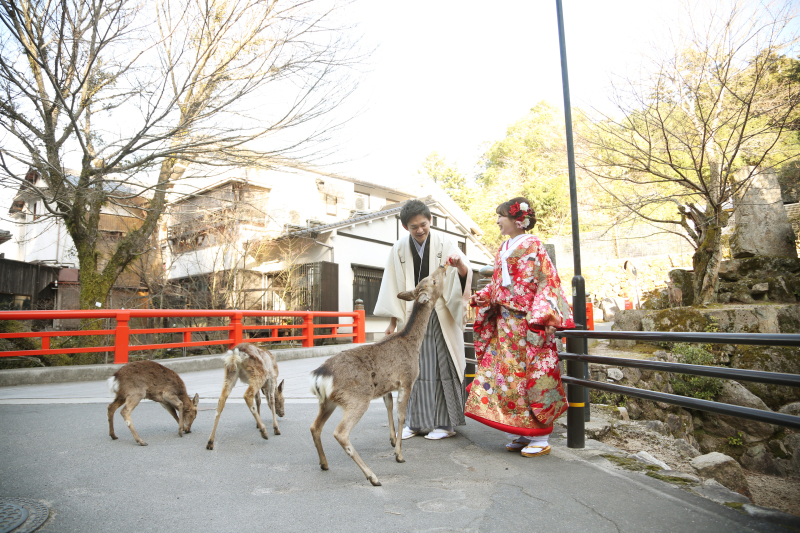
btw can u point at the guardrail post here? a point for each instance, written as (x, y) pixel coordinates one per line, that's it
(308, 329)
(576, 396)
(121, 339)
(235, 334)
(359, 323)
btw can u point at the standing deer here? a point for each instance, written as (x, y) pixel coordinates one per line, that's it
(675, 294)
(353, 378)
(257, 368)
(147, 379)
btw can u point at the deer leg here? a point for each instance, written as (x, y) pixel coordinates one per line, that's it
(387, 400)
(326, 409)
(402, 405)
(271, 403)
(258, 406)
(227, 386)
(130, 404)
(112, 408)
(352, 414)
(249, 397)
(171, 410)
(172, 404)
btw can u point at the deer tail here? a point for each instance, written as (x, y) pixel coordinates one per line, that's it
(232, 357)
(321, 383)
(113, 385)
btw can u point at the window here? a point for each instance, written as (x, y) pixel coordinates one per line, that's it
(362, 202)
(366, 285)
(434, 221)
(330, 201)
(463, 247)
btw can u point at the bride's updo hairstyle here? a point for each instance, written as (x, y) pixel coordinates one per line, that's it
(519, 210)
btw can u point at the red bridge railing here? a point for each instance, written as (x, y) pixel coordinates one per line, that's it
(237, 331)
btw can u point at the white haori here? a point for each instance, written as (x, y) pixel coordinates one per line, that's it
(451, 308)
(505, 252)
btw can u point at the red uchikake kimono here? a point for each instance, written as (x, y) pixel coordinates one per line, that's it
(517, 386)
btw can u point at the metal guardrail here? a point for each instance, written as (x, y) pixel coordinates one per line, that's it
(574, 378)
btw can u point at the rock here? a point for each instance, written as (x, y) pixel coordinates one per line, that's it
(758, 459)
(762, 227)
(759, 289)
(623, 413)
(715, 491)
(724, 469)
(684, 280)
(610, 309)
(724, 298)
(686, 450)
(792, 443)
(790, 521)
(649, 459)
(615, 374)
(627, 320)
(656, 299)
(657, 426)
(778, 449)
(673, 422)
(734, 393)
(596, 429)
(790, 409)
(711, 443)
(634, 410)
(633, 375)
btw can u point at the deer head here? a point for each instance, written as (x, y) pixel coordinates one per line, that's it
(190, 413)
(428, 289)
(279, 400)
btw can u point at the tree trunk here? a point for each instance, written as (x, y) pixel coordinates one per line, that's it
(706, 260)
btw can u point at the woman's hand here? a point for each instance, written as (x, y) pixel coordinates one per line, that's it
(481, 301)
(392, 326)
(549, 331)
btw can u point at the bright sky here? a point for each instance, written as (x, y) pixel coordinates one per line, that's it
(451, 76)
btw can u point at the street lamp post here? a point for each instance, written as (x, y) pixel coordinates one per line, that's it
(578, 406)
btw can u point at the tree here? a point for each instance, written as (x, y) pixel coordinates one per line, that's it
(449, 178)
(109, 101)
(529, 161)
(697, 114)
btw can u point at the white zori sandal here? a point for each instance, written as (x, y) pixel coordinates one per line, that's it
(536, 447)
(439, 433)
(408, 433)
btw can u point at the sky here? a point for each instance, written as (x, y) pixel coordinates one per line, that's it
(451, 76)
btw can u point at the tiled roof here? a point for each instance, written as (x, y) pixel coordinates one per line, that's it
(393, 209)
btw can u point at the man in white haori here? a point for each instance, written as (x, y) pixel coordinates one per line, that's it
(436, 404)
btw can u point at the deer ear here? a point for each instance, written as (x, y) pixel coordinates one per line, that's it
(280, 387)
(407, 296)
(196, 399)
(423, 297)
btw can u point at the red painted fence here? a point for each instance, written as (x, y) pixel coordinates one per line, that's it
(236, 330)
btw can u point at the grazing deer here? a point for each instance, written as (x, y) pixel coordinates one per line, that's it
(675, 294)
(257, 368)
(147, 379)
(353, 378)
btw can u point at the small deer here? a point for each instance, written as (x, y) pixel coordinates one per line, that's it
(147, 379)
(675, 294)
(353, 378)
(257, 368)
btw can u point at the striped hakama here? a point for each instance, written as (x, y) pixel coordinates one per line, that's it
(437, 396)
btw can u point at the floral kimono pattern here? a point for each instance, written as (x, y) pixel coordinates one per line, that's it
(517, 386)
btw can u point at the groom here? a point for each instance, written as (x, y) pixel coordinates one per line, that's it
(436, 405)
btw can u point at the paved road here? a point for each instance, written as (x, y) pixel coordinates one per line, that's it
(55, 449)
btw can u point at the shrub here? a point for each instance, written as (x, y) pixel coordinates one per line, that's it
(700, 387)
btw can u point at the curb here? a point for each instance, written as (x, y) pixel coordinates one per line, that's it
(77, 373)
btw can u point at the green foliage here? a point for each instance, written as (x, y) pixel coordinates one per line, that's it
(449, 179)
(701, 387)
(737, 440)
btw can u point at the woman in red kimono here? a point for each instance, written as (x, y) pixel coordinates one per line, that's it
(517, 387)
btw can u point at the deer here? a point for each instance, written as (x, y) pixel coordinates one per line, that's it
(675, 294)
(147, 379)
(353, 378)
(258, 369)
